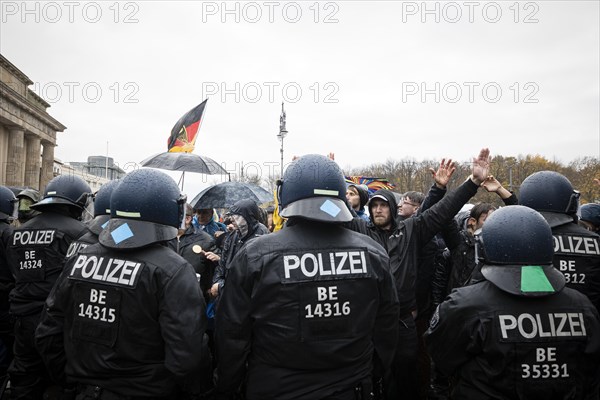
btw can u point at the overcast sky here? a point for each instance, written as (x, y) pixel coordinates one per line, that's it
(368, 80)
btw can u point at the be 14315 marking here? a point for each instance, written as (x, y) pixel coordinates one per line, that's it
(94, 311)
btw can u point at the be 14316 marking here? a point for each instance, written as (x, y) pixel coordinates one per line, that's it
(328, 304)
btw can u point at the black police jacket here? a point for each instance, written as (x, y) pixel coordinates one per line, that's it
(36, 253)
(406, 237)
(305, 309)
(128, 321)
(87, 239)
(501, 346)
(577, 256)
(7, 281)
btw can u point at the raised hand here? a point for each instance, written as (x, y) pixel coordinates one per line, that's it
(481, 166)
(491, 184)
(444, 173)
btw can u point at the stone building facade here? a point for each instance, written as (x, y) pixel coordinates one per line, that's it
(27, 131)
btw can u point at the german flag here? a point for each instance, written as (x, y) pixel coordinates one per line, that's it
(184, 133)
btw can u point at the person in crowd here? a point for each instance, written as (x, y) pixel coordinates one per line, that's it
(410, 203)
(576, 249)
(403, 240)
(358, 196)
(36, 252)
(193, 247)
(206, 220)
(519, 333)
(26, 198)
(244, 216)
(310, 311)
(126, 318)
(590, 217)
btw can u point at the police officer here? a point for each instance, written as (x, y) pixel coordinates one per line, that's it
(127, 314)
(36, 253)
(519, 334)
(590, 217)
(576, 250)
(98, 222)
(306, 310)
(26, 198)
(8, 213)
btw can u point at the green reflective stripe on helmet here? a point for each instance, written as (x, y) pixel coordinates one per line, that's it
(325, 192)
(533, 279)
(128, 214)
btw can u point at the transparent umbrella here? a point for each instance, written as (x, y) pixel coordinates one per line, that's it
(226, 194)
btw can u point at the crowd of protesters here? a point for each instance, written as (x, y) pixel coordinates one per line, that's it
(153, 298)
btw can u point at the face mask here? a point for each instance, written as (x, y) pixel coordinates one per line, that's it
(241, 224)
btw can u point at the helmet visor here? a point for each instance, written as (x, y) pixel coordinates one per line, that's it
(324, 209)
(525, 280)
(14, 214)
(123, 233)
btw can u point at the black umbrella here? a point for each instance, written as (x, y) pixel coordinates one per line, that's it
(186, 162)
(226, 194)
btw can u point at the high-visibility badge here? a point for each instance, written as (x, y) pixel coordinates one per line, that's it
(121, 233)
(533, 279)
(330, 208)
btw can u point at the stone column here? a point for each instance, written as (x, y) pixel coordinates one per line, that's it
(32, 161)
(47, 165)
(15, 165)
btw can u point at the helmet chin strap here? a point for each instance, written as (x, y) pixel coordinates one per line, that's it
(278, 185)
(573, 205)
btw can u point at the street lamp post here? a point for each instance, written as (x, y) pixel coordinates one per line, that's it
(282, 134)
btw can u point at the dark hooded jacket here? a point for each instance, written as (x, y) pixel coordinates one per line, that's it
(404, 239)
(234, 241)
(186, 246)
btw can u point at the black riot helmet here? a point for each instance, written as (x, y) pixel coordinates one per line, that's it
(518, 252)
(27, 197)
(69, 190)
(313, 187)
(8, 204)
(590, 213)
(552, 195)
(145, 207)
(102, 206)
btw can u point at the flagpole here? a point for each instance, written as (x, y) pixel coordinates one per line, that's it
(181, 179)
(282, 134)
(106, 163)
